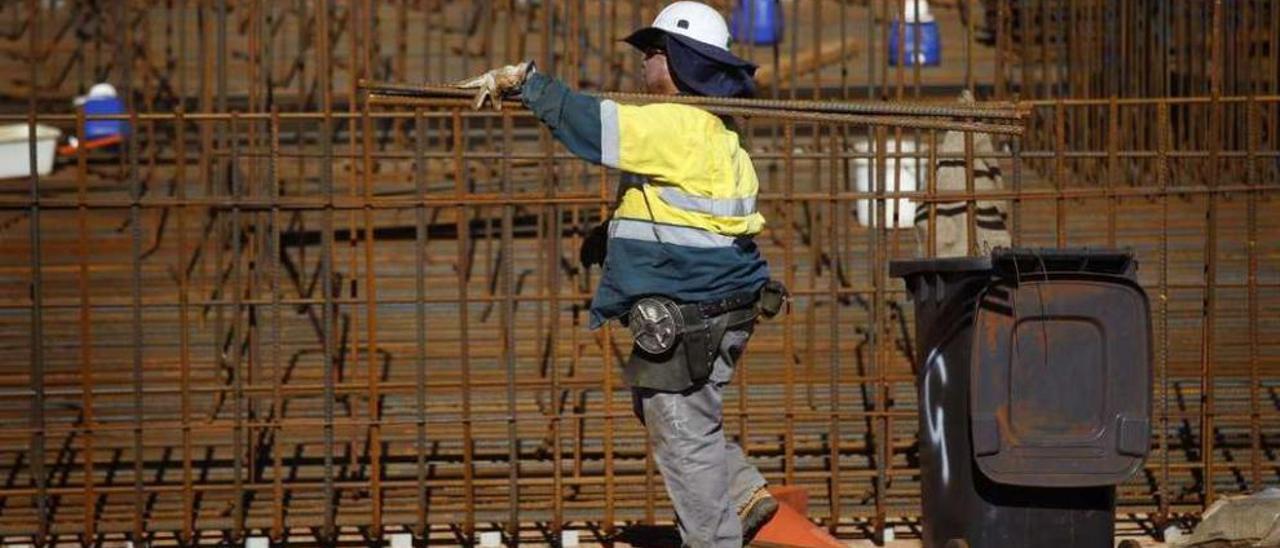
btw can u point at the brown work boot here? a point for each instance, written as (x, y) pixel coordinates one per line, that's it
(756, 512)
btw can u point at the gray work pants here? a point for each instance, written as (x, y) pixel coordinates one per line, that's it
(707, 476)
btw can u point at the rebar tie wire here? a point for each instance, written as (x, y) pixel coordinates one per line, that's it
(998, 118)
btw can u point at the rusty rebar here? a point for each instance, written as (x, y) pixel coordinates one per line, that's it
(36, 340)
(1131, 127)
(989, 110)
(449, 97)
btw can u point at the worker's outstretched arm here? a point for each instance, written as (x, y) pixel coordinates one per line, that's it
(662, 140)
(574, 118)
(665, 141)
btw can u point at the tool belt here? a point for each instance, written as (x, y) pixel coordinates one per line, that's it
(676, 344)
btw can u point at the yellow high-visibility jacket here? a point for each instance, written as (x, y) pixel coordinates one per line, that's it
(685, 222)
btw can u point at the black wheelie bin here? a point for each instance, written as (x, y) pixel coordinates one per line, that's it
(1034, 378)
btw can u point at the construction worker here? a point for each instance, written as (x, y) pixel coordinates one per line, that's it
(681, 268)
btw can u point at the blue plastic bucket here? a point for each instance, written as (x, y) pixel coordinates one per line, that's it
(927, 53)
(97, 129)
(757, 22)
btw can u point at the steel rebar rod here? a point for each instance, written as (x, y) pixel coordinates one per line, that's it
(903, 121)
(989, 110)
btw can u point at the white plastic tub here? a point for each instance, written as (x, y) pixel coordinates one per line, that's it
(15, 151)
(901, 175)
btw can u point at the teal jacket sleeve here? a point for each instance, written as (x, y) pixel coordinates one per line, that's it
(574, 118)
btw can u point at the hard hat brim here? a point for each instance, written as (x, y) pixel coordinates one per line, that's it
(647, 38)
(651, 37)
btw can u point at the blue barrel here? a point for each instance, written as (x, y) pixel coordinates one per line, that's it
(757, 22)
(97, 129)
(927, 53)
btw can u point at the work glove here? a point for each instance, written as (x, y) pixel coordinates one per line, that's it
(594, 247)
(497, 83)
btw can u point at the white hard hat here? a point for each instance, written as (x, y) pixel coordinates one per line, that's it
(696, 41)
(690, 19)
(694, 20)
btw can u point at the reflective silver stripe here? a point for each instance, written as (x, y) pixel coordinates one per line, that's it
(609, 138)
(632, 229)
(720, 207)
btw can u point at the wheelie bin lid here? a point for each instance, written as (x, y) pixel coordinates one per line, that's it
(1018, 260)
(1060, 362)
(1060, 376)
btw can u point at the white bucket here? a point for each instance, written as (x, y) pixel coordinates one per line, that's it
(15, 150)
(910, 177)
